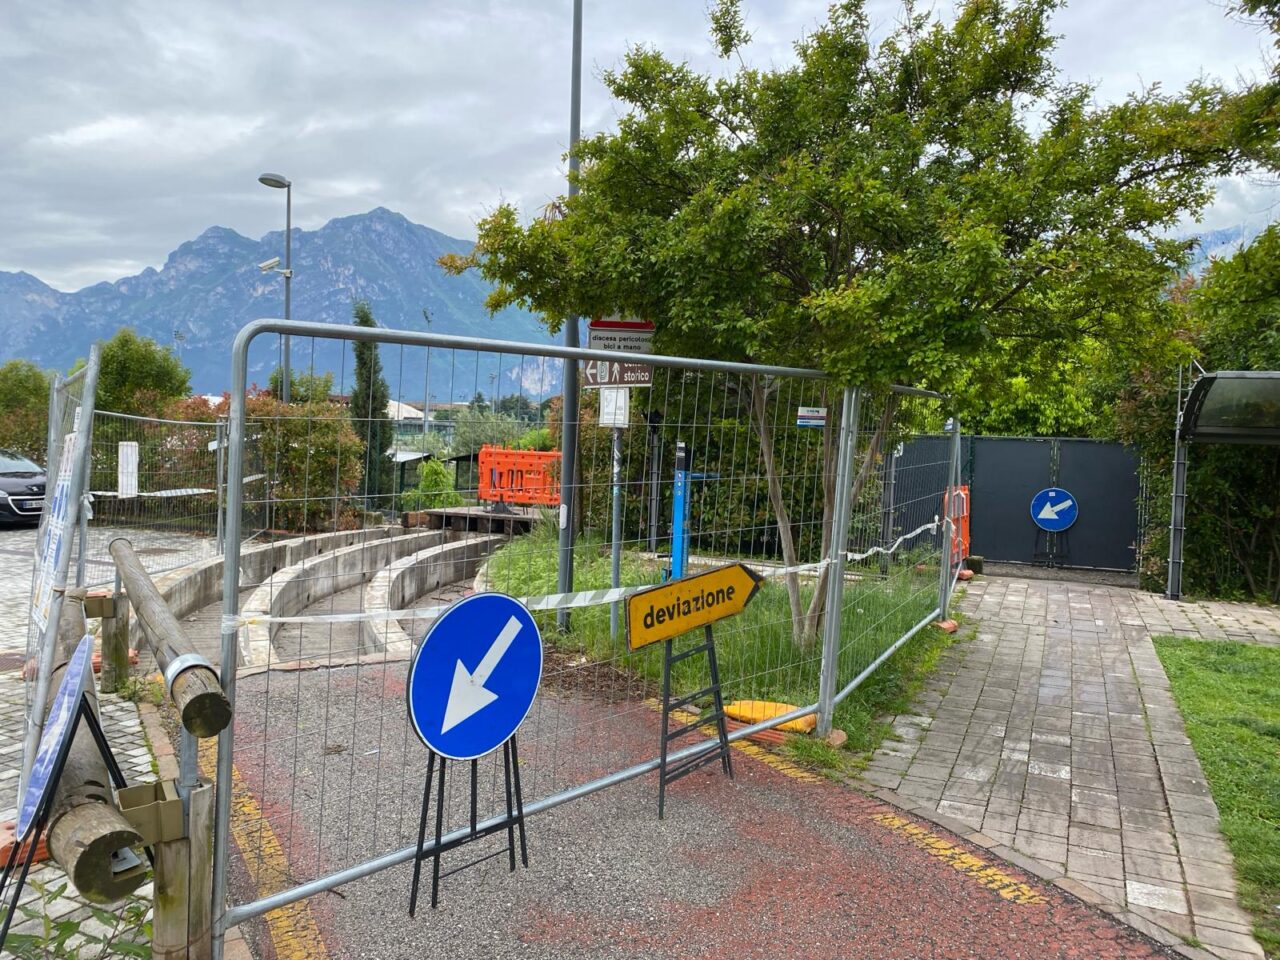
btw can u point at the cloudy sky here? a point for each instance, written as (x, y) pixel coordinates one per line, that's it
(130, 126)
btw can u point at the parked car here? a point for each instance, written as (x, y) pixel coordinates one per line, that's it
(21, 490)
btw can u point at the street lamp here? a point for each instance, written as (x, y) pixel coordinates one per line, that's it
(280, 182)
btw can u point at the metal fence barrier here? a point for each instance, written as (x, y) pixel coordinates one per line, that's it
(157, 482)
(853, 547)
(62, 519)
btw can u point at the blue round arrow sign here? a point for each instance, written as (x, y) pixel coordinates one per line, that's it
(1054, 509)
(474, 676)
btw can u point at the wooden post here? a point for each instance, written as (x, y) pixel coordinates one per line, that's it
(85, 828)
(182, 926)
(195, 690)
(115, 646)
(200, 905)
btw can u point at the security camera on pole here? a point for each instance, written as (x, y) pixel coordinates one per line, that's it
(279, 182)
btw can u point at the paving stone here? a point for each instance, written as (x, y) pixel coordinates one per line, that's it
(1158, 897)
(1063, 699)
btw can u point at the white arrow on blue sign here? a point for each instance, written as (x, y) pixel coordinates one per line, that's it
(1054, 509)
(473, 679)
(58, 727)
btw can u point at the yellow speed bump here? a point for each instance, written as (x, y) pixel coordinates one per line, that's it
(682, 605)
(757, 711)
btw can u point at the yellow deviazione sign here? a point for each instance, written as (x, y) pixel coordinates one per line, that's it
(671, 609)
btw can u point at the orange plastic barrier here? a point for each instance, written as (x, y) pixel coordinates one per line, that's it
(959, 514)
(527, 477)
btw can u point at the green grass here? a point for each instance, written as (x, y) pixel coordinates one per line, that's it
(756, 651)
(1229, 695)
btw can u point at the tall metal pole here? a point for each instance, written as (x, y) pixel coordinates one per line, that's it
(286, 378)
(615, 572)
(1178, 510)
(278, 181)
(655, 477)
(220, 443)
(569, 424)
(846, 452)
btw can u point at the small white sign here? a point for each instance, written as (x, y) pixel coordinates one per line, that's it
(615, 407)
(811, 416)
(612, 333)
(127, 470)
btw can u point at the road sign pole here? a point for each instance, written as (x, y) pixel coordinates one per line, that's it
(615, 572)
(846, 451)
(680, 490)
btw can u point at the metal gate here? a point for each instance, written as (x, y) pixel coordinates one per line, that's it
(1005, 473)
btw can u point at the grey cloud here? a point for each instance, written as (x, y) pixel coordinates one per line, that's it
(131, 126)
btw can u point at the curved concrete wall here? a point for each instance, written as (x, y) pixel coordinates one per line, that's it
(193, 587)
(404, 581)
(292, 589)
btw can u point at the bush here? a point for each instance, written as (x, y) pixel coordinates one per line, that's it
(312, 458)
(24, 409)
(434, 489)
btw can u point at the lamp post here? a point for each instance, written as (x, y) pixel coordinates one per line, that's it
(569, 411)
(280, 182)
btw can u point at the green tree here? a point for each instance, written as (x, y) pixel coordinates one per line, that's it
(518, 407)
(138, 376)
(433, 490)
(303, 387)
(478, 426)
(307, 450)
(1231, 319)
(24, 409)
(886, 214)
(369, 398)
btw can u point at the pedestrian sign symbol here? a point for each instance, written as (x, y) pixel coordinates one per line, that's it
(1054, 509)
(473, 679)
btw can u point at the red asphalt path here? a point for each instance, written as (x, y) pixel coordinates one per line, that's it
(762, 866)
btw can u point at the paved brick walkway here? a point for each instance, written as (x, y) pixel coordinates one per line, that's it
(119, 719)
(1054, 732)
(124, 731)
(158, 550)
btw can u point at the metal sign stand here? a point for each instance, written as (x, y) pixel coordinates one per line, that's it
(513, 820)
(670, 773)
(31, 840)
(1052, 549)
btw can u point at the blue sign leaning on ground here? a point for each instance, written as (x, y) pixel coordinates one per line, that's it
(1054, 509)
(59, 724)
(474, 677)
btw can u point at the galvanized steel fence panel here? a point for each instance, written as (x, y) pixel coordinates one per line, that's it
(156, 482)
(323, 609)
(71, 406)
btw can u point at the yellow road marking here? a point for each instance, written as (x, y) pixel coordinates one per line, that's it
(987, 875)
(293, 929)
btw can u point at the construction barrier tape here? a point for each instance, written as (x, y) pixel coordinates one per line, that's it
(556, 601)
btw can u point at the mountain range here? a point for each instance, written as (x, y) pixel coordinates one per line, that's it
(211, 286)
